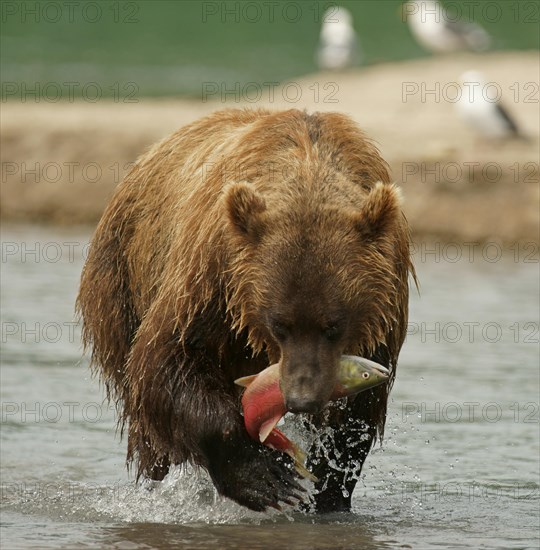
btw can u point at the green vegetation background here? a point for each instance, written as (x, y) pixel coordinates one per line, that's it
(172, 47)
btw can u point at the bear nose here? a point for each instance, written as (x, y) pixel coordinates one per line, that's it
(300, 405)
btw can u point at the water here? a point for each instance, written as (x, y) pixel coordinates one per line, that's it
(459, 467)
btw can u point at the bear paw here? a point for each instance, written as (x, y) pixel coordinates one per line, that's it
(256, 477)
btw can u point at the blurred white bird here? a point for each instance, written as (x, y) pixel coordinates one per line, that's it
(484, 114)
(439, 33)
(337, 43)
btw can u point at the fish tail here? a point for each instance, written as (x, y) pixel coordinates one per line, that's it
(304, 472)
(278, 440)
(299, 457)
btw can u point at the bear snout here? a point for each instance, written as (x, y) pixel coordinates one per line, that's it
(303, 405)
(306, 388)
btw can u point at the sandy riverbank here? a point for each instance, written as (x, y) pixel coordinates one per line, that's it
(61, 161)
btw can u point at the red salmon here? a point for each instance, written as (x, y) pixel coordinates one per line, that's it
(264, 406)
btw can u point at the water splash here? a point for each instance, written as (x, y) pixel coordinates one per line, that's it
(186, 495)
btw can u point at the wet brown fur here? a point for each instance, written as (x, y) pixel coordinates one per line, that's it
(173, 288)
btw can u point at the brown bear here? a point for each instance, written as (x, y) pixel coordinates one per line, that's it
(246, 238)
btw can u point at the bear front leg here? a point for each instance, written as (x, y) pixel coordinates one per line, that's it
(345, 441)
(207, 416)
(185, 409)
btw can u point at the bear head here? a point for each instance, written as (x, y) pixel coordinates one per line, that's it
(316, 274)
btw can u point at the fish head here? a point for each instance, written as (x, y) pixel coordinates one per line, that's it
(359, 374)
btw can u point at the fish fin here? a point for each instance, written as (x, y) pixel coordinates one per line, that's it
(245, 381)
(267, 427)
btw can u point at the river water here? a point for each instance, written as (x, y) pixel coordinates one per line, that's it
(459, 467)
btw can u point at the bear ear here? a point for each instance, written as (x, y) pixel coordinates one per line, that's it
(380, 211)
(244, 207)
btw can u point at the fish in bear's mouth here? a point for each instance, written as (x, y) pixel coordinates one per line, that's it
(264, 406)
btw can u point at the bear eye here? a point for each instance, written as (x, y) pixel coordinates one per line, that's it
(332, 333)
(280, 331)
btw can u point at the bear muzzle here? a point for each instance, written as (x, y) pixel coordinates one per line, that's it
(306, 392)
(303, 405)
(309, 368)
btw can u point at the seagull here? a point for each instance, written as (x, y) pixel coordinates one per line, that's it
(483, 112)
(337, 42)
(432, 27)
